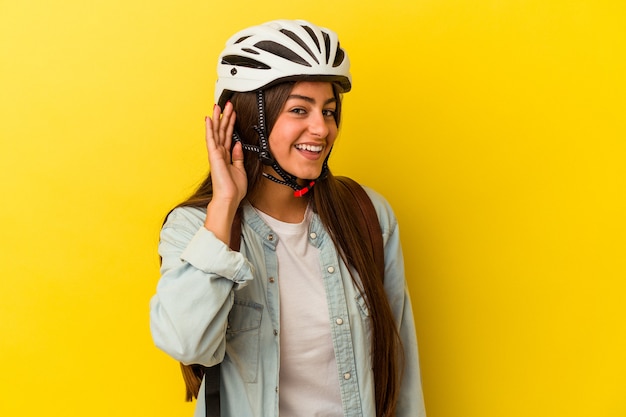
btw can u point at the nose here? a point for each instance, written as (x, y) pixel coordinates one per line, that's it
(318, 125)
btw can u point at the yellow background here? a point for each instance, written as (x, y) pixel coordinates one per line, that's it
(497, 130)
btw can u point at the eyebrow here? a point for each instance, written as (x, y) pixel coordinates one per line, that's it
(310, 99)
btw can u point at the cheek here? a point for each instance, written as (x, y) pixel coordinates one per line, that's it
(278, 144)
(333, 131)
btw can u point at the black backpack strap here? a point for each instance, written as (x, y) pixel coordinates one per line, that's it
(212, 391)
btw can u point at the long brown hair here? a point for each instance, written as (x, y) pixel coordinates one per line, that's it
(336, 213)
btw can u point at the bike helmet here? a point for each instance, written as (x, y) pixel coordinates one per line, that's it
(279, 51)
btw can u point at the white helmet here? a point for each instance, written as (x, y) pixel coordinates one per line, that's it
(279, 51)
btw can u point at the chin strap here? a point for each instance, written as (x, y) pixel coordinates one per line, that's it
(263, 150)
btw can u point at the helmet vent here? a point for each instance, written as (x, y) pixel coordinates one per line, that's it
(339, 57)
(242, 39)
(281, 51)
(252, 51)
(327, 45)
(312, 34)
(242, 61)
(300, 42)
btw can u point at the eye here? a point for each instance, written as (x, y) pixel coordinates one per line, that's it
(329, 113)
(298, 110)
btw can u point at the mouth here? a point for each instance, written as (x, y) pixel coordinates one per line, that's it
(316, 149)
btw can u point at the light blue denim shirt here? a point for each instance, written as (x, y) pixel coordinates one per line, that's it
(215, 305)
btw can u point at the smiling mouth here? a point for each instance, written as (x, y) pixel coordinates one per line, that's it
(309, 148)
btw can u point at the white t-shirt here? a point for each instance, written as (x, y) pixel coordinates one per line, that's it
(309, 385)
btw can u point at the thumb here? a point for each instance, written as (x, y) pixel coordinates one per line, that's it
(237, 155)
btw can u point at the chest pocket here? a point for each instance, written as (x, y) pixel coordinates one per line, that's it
(243, 337)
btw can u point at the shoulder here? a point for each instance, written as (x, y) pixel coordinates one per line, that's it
(189, 218)
(380, 202)
(386, 215)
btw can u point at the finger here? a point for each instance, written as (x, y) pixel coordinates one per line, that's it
(216, 123)
(208, 127)
(230, 129)
(237, 155)
(225, 122)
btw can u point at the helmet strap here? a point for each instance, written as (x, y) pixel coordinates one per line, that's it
(264, 147)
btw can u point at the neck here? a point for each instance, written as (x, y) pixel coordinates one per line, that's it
(278, 201)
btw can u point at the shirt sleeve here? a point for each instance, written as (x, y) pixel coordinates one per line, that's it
(189, 312)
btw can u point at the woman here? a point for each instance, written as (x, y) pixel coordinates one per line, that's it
(298, 319)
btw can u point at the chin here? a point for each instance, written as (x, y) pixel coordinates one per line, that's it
(302, 172)
(309, 176)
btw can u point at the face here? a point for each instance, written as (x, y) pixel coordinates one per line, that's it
(305, 130)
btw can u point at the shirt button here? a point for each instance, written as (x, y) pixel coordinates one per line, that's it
(331, 269)
(270, 237)
(272, 280)
(275, 332)
(347, 376)
(339, 321)
(313, 235)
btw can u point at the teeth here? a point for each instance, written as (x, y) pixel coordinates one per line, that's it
(310, 148)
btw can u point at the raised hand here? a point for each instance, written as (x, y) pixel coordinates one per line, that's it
(227, 171)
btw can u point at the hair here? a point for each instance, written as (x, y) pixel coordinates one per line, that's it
(336, 213)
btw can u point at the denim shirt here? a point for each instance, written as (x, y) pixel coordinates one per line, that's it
(215, 305)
